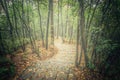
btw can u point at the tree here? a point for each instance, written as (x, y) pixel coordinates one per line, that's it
(82, 30)
(58, 20)
(52, 23)
(47, 30)
(40, 23)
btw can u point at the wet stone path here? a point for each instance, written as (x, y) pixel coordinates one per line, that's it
(59, 67)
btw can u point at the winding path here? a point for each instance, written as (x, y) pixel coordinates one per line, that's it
(56, 68)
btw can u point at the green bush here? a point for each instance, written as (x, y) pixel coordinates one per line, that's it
(7, 69)
(91, 65)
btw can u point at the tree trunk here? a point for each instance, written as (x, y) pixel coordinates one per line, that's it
(5, 8)
(71, 31)
(15, 22)
(47, 26)
(40, 24)
(52, 24)
(62, 22)
(82, 30)
(58, 21)
(77, 44)
(66, 27)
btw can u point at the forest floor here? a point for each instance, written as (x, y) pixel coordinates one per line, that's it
(60, 66)
(23, 60)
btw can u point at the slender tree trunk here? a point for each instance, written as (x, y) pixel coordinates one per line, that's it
(5, 8)
(77, 44)
(27, 28)
(71, 31)
(35, 36)
(80, 57)
(47, 26)
(40, 24)
(23, 30)
(58, 21)
(82, 30)
(66, 27)
(52, 24)
(0, 9)
(15, 22)
(62, 21)
(1, 45)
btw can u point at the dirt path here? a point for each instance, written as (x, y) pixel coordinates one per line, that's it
(56, 68)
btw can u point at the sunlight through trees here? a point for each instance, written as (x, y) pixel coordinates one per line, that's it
(34, 26)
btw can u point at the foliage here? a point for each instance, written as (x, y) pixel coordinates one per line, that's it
(24, 22)
(104, 37)
(7, 69)
(91, 65)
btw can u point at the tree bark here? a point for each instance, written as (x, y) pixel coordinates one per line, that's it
(82, 30)
(40, 24)
(58, 21)
(47, 26)
(52, 22)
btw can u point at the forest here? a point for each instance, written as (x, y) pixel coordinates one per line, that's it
(59, 39)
